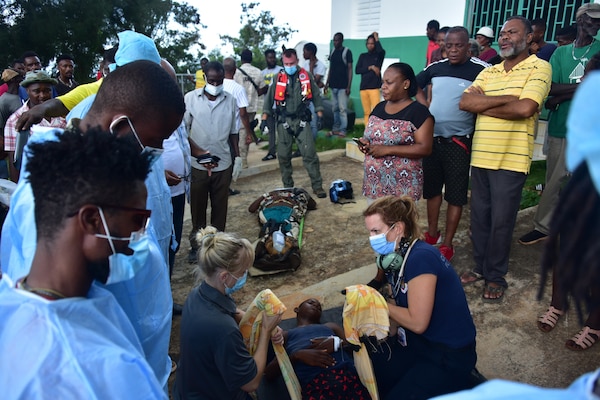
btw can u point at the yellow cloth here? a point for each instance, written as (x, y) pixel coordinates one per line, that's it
(250, 326)
(200, 79)
(77, 95)
(508, 144)
(365, 313)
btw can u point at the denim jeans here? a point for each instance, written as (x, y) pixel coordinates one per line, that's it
(339, 100)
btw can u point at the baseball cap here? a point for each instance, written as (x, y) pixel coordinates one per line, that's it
(8, 74)
(591, 9)
(38, 77)
(486, 31)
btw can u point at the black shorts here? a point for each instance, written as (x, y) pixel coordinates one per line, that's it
(448, 165)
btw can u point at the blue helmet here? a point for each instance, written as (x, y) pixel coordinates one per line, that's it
(340, 189)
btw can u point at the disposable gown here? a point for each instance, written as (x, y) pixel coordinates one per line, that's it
(76, 348)
(146, 299)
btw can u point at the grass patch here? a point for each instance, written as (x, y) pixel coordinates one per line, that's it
(537, 176)
(324, 143)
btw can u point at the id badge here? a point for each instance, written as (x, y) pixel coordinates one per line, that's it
(402, 336)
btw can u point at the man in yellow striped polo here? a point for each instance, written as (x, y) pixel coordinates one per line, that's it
(507, 98)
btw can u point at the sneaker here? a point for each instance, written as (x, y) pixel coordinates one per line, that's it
(233, 192)
(320, 193)
(269, 157)
(532, 237)
(447, 251)
(193, 256)
(433, 240)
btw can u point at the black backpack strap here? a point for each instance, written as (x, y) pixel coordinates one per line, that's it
(249, 77)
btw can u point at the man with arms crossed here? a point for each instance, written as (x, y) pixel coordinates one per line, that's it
(507, 98)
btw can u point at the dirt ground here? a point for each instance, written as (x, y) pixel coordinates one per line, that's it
(509, 345)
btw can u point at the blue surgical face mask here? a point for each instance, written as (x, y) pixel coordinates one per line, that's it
(240, 282)
(291, 70)
(213, 90)
(123, 267)
(380, 244)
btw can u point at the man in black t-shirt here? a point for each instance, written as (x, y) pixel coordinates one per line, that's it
(339, 79)
(449, 163)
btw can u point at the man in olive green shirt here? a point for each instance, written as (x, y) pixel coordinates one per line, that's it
(291, 92)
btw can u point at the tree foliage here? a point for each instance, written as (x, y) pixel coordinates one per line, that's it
(84, 28)
(258, 33)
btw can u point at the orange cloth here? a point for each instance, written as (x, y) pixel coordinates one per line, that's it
(365, 314)
(250, 326)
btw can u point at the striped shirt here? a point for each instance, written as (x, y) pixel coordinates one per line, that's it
(10, 130)
(502, 143)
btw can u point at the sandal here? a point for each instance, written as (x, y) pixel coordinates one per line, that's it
(548, 321)
(492, 294)
(470, 277)
(583, 340)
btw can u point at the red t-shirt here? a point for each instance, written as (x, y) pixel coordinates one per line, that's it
(431, 46)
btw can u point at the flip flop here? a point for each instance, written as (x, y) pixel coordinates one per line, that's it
(470, 277)
(493, 290)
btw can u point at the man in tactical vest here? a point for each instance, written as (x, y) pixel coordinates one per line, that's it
(293, 90)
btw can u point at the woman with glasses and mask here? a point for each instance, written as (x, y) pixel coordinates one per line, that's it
(431, 348)
(214, 362)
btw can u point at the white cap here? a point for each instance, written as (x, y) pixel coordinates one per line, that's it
(486, 31)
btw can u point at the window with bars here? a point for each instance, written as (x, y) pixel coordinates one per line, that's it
(367, 17)
(493, 13)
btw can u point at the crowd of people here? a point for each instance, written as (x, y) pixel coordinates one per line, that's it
(98, 231)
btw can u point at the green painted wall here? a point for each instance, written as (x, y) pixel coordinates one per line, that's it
(409, 49)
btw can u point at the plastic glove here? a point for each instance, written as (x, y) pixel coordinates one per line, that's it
(263, 125)
(237, 168)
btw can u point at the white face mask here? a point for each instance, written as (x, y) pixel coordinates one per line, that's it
(213, 90)
(121, 266)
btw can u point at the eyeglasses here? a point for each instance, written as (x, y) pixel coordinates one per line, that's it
(118, 120)
(142, 213)
(244, 275)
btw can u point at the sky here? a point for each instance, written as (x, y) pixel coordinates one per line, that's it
(222, 17)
